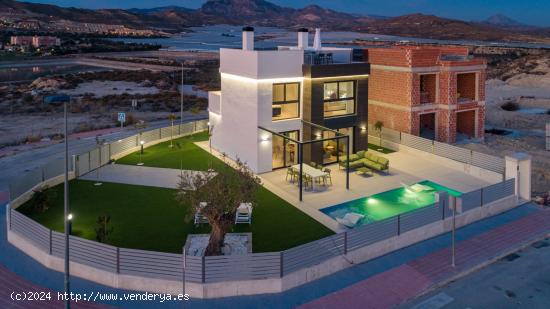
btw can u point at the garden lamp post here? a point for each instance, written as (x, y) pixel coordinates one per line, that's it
(141, 152)
(99, 143)
(65, 99)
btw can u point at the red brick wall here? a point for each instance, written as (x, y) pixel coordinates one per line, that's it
(391, 87)
(465, 123)
(392, 118)
(466, 85)
(388, 56)
(447, 87)
(430, 86)
(403, 88)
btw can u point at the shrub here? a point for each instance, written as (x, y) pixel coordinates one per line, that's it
(510, 106)
(41, 199)
(103, 230)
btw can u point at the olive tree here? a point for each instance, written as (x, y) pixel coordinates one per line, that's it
(222, 191)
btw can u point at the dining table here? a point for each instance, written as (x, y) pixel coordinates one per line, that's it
(315, 173)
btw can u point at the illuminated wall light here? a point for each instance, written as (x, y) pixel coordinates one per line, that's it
(265, 138)
(265, 80)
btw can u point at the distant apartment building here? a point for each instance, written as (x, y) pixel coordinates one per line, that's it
(433, 92)
(35, 41)
(45, 41)
(21, 40)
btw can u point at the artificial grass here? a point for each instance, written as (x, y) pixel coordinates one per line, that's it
(149, 218)
(185, 154)
(380, 148)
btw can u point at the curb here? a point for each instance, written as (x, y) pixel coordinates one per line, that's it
(489, 261)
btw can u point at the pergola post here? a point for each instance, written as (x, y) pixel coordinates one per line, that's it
(347, 162)
(301, 159)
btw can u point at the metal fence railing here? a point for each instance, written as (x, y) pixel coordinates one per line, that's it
(463, 155)
(97, 157)
(35, 176)
(486, 195)
(254, 266)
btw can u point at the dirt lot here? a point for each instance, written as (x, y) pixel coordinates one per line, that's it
(520, 83)
(96, 99)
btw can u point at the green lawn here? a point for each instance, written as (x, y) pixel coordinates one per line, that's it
(149, 218)
(184, 154)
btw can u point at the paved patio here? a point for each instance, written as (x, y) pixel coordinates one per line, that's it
(139, 175)
(405, 168)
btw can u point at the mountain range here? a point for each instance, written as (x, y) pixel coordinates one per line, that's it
(264, 13)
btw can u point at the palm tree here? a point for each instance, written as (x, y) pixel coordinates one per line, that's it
(378, 126)
(171, 118)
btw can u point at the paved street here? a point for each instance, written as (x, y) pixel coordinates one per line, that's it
(399, 284)
(520, 280)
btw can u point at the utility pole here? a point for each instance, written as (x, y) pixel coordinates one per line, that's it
(181, 96)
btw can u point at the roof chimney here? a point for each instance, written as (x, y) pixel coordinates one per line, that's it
(317, 39)
(248, 38)
(303, 38)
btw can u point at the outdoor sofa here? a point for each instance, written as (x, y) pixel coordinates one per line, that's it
(366, 159)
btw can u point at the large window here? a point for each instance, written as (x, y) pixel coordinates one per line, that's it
(286, 101)
(333, 149)
(339, 98)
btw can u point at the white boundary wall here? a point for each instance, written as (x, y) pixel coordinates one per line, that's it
(262, 286)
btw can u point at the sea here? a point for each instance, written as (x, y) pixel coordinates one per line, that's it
(212, 38)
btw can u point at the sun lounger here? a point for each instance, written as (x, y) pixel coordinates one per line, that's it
(244, 214)
(199, 218)
(350, 219)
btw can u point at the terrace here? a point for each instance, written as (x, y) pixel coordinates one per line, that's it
(405, 169)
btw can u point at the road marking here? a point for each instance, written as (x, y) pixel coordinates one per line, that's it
(435, 302)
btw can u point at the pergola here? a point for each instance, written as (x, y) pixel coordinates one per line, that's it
(312, 133)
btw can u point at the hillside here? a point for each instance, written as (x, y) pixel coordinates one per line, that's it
(264, 13)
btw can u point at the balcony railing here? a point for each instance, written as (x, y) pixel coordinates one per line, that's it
(318, 58)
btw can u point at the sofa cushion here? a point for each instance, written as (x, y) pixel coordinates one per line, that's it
(370, 156)
(372, 164)
(356, 164)
(383, 161)
(361, 153)
(352, 157)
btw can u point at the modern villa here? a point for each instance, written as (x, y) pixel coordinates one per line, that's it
(273, 100)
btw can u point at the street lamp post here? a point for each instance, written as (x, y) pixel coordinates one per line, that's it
(65, 99)
(181, 97)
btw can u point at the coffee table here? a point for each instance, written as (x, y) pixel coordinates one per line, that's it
(364, 171)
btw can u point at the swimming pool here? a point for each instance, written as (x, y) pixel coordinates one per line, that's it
(390, 203)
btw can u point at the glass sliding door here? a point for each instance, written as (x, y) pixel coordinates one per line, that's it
(333, 149)
(285, 152)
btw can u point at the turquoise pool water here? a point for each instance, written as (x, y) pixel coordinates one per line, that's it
(389, 203)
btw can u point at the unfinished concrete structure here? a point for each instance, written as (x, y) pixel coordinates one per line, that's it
(433, 92)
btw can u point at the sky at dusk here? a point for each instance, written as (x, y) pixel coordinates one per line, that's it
(533, 12)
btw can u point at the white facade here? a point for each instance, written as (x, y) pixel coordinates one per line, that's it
(246, 97)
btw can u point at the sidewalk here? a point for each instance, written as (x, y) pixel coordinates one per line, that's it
(395, 286)
(403, 268)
